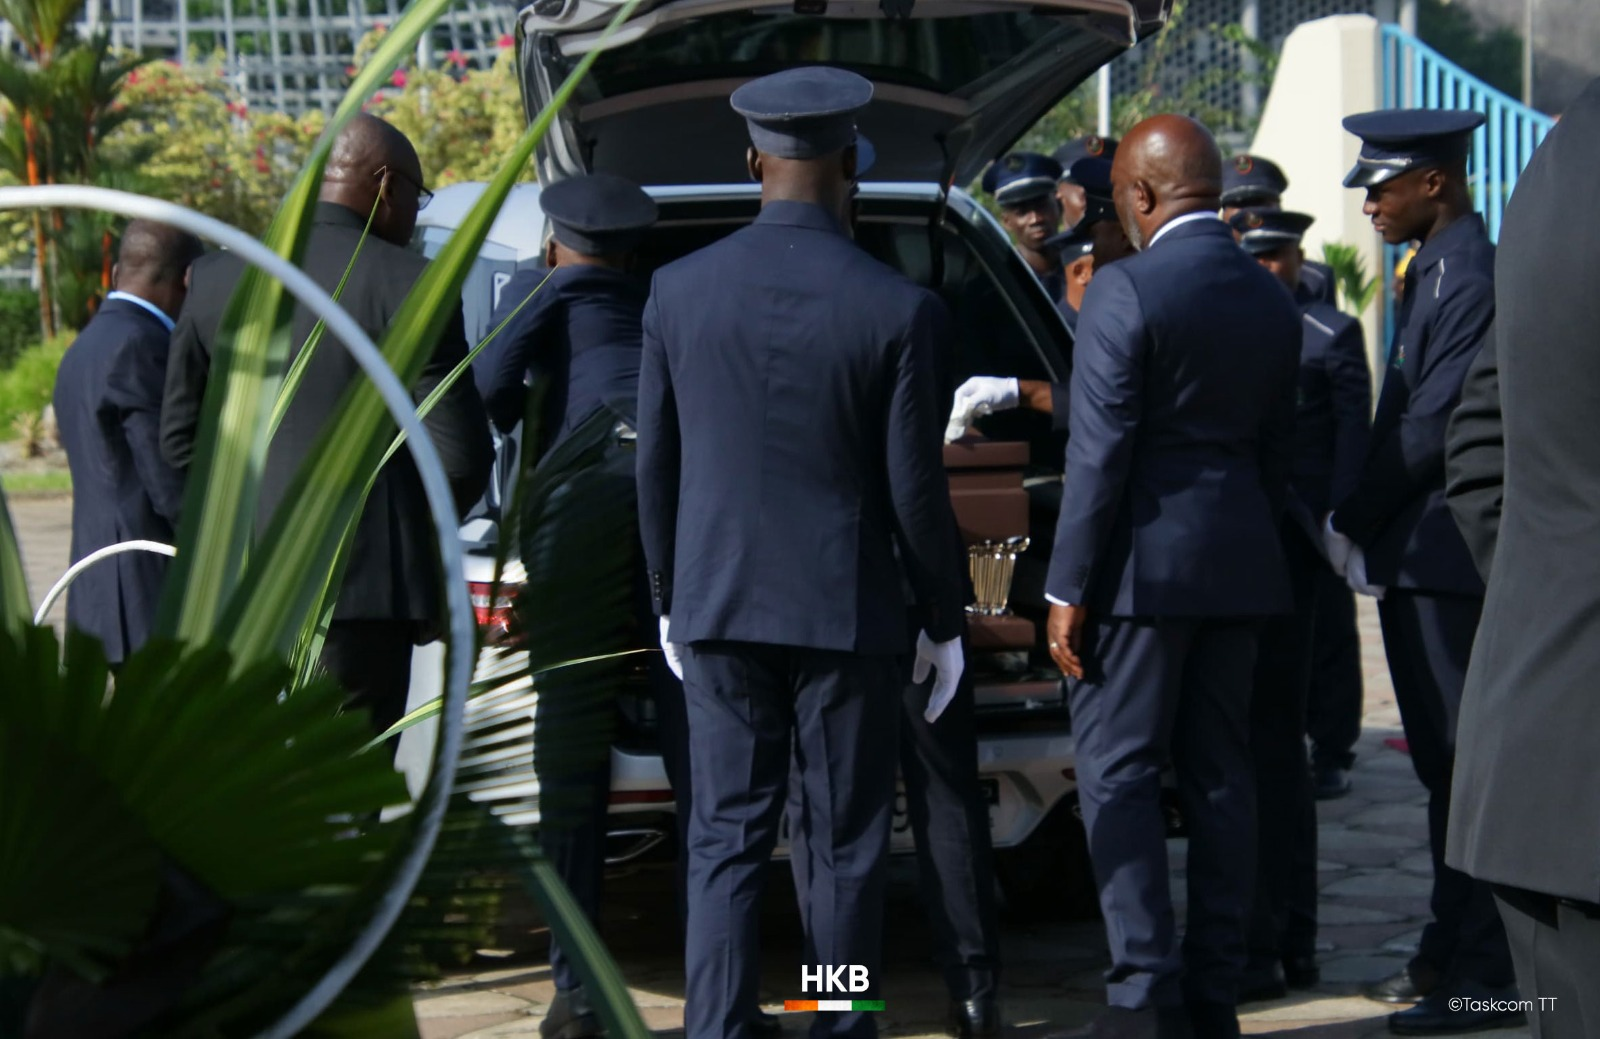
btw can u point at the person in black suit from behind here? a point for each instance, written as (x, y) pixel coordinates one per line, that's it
(1394, 538)
(790, 474)
(391, 597)
(1330, 441)
(1524, 486)
(108, 408)
(1166, 559)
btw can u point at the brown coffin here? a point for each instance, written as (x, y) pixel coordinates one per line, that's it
(990, 505)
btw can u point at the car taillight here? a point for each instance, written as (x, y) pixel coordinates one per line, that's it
(492, 612)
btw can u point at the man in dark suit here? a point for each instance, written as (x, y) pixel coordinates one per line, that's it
(1524, 485)
(108, 407)
(1333, 401)
(788, 449)
(1394, 537)
(391, 597)
(1166, 559)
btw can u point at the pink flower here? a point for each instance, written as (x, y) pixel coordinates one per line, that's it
(457, 59)
(133, 77)
(504, 41)
(399, 78)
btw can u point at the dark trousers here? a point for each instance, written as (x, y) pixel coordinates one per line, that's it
(371, 661)
(1283, 917)
(1334, 714)
(750, 707)
(1428, 640)
(950, 822)
(1157, 690)
(1556, 948)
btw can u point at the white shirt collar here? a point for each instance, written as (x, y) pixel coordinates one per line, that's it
(161, 315)
(1187, 218)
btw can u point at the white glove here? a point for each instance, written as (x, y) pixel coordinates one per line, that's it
(1357, 576)
(944, 658)
(1337, 546)
(979, 395)
(672, 650)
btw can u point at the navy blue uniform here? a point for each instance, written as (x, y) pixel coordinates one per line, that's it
(579, 332)
(108, 408)
(1330, 441)
(1398, 515)
(788, 447)
(1177, 476)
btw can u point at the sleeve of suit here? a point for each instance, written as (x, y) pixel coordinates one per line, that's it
(134, 388)
(1350, 382)
(502, 369)
(919, 489)
(1474, 459)
(1409, 462)
(660, 449)
(188, 366)
(457, 424)
(1106, 408)
(1060, 405)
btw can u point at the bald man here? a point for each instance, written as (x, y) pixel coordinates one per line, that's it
(1166, 557)
(391, 596)
(108, 406)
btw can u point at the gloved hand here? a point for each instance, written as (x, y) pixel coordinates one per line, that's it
(1357, 576)
(979, 395)
(672, 649)
(1337, 546)
(946, 659)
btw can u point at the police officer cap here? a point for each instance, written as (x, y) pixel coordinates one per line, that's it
(1401, 140)
(1250, 178)
(1090, 147)
(1268, 230)
(802, 113)
(1021, 177)
(597, 214)
(1074, 242)
(1093, 175)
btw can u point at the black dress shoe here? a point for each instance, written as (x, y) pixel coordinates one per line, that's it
(976, 1018)
(1214, 1021)
(1330, 782)
(570, 1017)
(765, 1025)
(1301, 972)
(1483, 1009)
(1262, 982)
(1413, 984)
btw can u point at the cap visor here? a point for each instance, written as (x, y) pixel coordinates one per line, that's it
(1366, 176)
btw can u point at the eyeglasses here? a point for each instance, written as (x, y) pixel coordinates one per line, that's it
(424, 196)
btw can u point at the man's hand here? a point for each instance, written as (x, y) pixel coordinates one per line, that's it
(1065, 632)
(979, 395)
(1336, 546)
(672, 649)
(1356, 576)
(944, 658)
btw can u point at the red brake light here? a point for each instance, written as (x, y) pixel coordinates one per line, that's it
(494, 617)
